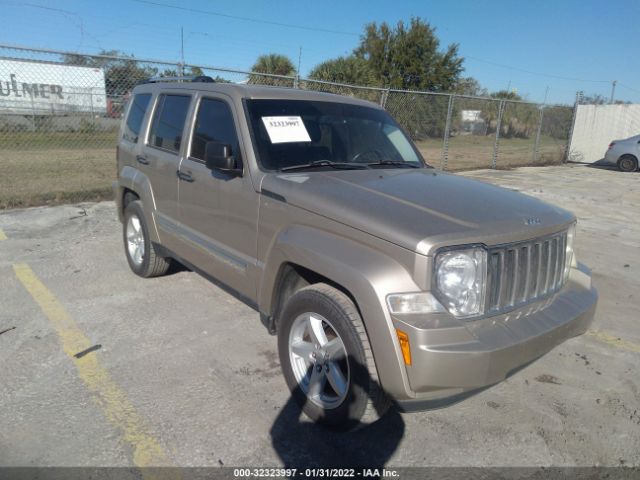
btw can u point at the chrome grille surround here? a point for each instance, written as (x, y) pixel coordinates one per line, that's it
(523, 272)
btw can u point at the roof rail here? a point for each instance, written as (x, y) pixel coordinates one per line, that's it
(194, 78)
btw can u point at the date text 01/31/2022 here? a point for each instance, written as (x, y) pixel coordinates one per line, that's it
(315, 472)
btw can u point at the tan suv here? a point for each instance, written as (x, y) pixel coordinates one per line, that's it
(386, 281)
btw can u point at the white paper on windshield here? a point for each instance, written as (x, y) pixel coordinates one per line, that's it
(286, 129)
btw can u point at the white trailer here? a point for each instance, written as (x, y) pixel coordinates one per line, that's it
(45, 88)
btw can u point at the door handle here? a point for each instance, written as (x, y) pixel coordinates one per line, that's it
(185, 176)
(143, 160)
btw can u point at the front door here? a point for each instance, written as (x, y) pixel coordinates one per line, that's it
(217, 210)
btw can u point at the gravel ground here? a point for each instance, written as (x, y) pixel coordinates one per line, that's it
(192, 368)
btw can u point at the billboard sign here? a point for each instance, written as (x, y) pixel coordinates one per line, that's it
(41, 88)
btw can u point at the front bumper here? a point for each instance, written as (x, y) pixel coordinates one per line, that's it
(451, 363)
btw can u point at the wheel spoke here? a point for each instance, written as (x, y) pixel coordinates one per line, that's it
(317, 381)
(336, 379)
(335, 349)
(302, 349)
(135, 223)
(317, 331)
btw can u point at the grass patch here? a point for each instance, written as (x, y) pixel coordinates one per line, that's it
(57, 198)
(70, 140)
(46, 168)
(468, 152)
(42, 177)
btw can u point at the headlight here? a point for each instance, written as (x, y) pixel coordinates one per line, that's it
(460, 280)
(571, 234)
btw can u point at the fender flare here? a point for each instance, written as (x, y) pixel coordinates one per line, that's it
(136, 181)
(367, 274)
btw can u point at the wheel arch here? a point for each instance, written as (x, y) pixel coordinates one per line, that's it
(303, 255)
(135, 185)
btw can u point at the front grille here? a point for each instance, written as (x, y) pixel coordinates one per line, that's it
(523, 272)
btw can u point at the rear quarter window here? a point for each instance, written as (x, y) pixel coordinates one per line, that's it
(139, 105)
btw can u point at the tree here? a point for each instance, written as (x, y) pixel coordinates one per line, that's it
(598, 99)
(506, 95)
(169, 72)
(519, 119)
(351, 70)
(274, 64)
(594, 99)
(122, 72)
(470, 86)
(408, 56)
(196, 72)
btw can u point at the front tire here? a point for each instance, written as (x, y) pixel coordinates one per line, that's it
(628, 163)
(139, 250)
(327, 360)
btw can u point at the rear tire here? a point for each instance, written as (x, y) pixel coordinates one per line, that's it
(628, 163)
(320, 315)
(141, 254)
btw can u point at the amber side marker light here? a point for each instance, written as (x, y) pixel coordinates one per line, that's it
(404, 346)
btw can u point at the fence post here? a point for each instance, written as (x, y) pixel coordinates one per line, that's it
(33, 116)
(383, 97)
(93, 116)
(296, 81)
(536, 147)
(567, 153)
(444, 159)
(496, 144)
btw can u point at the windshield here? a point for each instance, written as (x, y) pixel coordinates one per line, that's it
(291, 133)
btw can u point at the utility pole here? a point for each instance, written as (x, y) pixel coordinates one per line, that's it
(182, 51)
(536, 147)
(613, 90)
(297, 79)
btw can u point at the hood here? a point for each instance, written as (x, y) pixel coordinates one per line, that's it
(419, 209)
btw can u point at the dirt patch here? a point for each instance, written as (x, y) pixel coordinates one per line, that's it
(546, 378)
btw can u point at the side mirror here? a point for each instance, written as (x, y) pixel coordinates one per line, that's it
(219, 156)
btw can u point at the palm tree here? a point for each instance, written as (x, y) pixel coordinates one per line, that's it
(273, 64)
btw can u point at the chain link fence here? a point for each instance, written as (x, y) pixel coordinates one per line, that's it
(60, 113)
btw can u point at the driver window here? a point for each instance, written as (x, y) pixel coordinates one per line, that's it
(214, 123)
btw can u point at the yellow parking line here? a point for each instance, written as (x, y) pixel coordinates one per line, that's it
(113, 401)
(614, 341)
(2, 235)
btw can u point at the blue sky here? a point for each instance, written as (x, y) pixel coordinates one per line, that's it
(527, 45)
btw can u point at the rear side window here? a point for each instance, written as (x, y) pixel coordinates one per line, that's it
(137, 111)
(168, 122)
(214, 123)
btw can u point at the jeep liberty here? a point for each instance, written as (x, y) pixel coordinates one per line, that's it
(386, 281)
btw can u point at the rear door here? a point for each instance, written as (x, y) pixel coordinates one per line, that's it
(219, 211)
(129, 144)
(160, 158)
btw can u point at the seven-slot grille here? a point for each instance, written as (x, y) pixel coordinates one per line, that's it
(522, 272)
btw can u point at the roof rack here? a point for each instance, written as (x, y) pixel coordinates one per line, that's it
(194, 78)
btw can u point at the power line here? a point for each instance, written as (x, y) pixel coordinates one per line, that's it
(246, 19)
(628, 87)
(573, 79)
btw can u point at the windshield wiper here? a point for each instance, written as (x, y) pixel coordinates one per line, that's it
(394, 162)
(325, 163)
